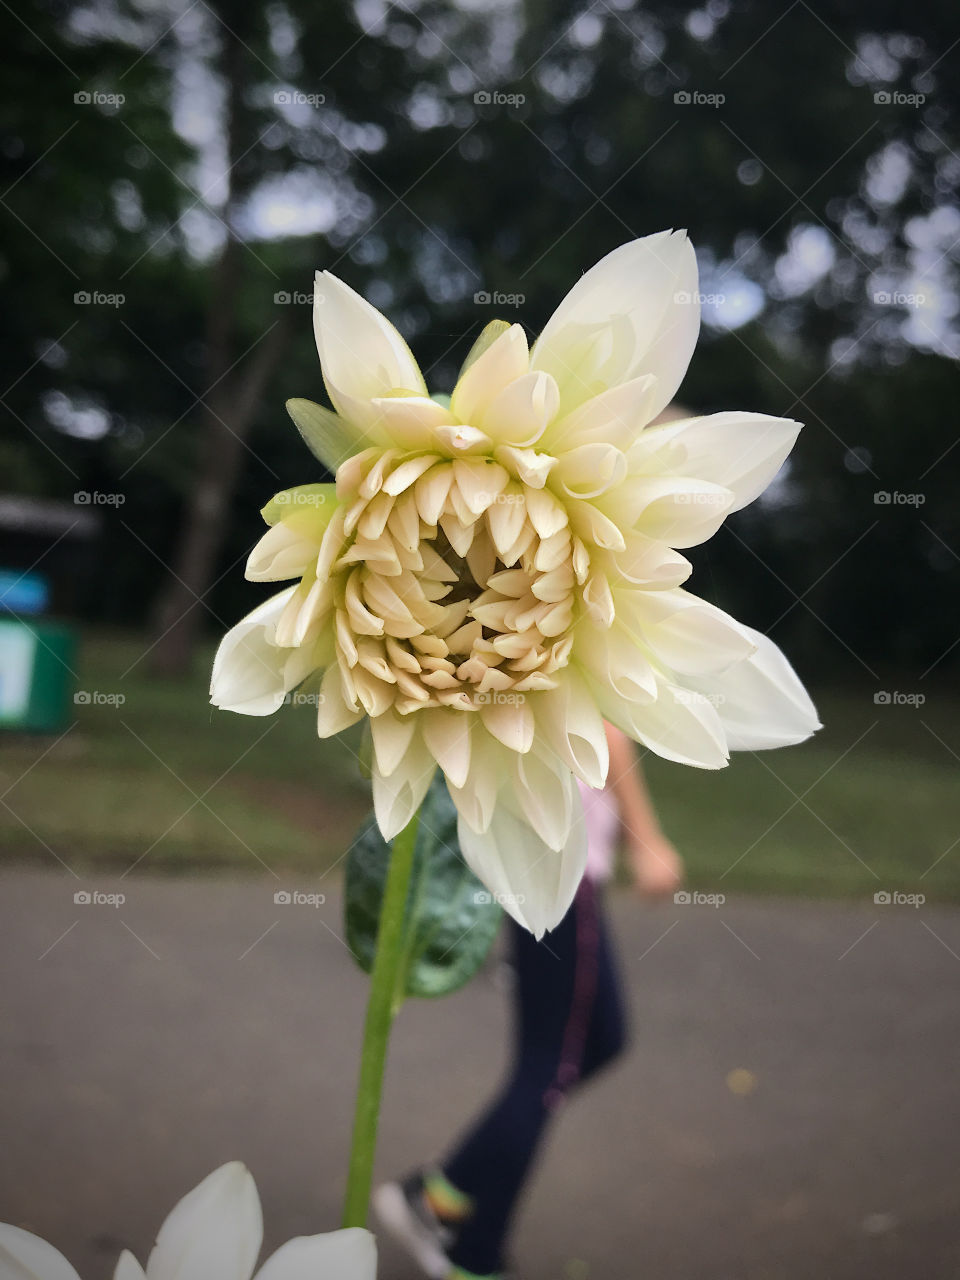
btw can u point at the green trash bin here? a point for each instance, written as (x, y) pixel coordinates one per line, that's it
(36, 675)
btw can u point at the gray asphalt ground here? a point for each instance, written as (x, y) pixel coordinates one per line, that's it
(142, 1045)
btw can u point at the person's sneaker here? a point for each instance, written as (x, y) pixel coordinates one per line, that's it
(403, 1211)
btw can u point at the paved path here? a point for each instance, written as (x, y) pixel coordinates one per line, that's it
(144, 1044)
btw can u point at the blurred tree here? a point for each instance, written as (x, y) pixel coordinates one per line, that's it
(434, 154)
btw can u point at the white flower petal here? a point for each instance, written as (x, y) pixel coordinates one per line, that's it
(547, 514)
(24, 1256)
(411, 422)
(248, 670)
(214, 1231)
(520, 413)
(503, 362)
(391, 738)
(350, 1254)
(397, 798)
(407, 473)
(636, 312)
(533, 882)
(740, 451)
(613, 658)
(335, 711)
(679, 725)
(511, 723)
(362, 356)
(616, 416)
(570, 724)
(687, 634)
(529, 466)
(590, 469)
(679, 510)
(761, 702)
(282, 552)
(541, 785)
(447, 735)
(128, 1268)
(479, 481)
(431, 492)
(648, 563)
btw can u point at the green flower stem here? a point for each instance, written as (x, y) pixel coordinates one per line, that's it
(381, 1007)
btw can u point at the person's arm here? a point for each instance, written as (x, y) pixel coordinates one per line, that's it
(656, 866)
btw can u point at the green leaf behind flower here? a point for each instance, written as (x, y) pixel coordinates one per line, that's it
(324, 433)
(451, 920)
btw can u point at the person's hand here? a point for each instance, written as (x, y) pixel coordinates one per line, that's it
(657, 868)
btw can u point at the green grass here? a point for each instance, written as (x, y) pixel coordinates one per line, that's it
(880, 807)
(124, 783)
(871, 803)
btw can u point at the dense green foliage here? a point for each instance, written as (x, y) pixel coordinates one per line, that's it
(454, 151)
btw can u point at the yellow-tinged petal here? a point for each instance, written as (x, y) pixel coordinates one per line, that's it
(590, 469)
(509, 720)
(616, 416)
(447, 735)
(571, 725)
(248, 670)
(501, 363)
(636, 312)
(741, 452)
(411, 422)
(678, 724)
(392, 735)
(397, 798)
(532, 882)
(688, 635)
(362, 357)
(520, 413)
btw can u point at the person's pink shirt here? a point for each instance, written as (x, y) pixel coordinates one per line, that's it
(602, 820)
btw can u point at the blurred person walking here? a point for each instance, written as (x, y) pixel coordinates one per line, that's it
(454, 1218)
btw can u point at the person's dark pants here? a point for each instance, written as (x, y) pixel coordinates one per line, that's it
(568, 1024)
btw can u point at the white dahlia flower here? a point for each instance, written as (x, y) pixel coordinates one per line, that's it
(213, 1233)
(495, 573)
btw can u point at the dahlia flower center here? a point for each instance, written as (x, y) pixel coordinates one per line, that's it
(456, 583)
